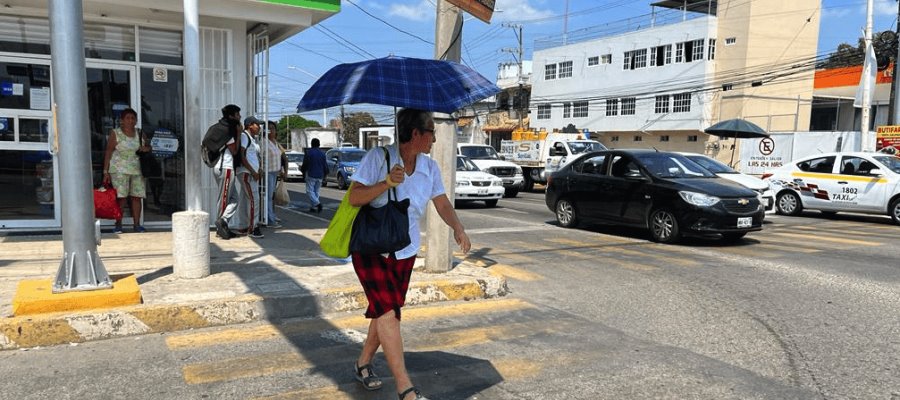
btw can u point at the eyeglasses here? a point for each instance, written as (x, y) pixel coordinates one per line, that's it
(427, 130)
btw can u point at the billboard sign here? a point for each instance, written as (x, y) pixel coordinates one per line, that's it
(481, 9)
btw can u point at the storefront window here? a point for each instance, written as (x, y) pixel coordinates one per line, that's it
(161, 47)
(109, 42)
(24, 86)
(26, 185)
(24, 35)
(162, 117)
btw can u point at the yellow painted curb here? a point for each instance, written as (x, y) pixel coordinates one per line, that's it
(37, 297)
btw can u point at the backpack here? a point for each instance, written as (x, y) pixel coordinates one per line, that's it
(214, 142)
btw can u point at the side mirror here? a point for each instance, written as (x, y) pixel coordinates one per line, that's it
(553, 152)
(634, 176)
(502, 157)
(335, 159)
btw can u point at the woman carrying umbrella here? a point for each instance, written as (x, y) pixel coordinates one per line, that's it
(385, 278)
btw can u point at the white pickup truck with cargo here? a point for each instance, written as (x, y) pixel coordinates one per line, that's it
(302, 138)
(487, 160)
(540, 154)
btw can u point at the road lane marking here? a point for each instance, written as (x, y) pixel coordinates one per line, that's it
(812, 238)
(511, 272)
(262, 332)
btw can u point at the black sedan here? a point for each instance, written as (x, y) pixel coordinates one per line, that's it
(664, 192)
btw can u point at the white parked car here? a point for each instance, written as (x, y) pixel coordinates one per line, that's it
(722, 170)
(487, 160)
(295, 159)
(833, 182)
(473, 184)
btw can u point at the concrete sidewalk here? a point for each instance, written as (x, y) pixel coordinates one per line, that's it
(283, 275)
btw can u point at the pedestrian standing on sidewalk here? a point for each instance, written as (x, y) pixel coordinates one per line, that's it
(314, 169)
(227, 199)
(249, 174)
(275, 168)
(385, 279)
(122, 169)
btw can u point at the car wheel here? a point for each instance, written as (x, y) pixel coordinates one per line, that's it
(664, 226)
(565, 213)
(528, 185)
(733, 237)
(895, 210)
(511, 193)
(491, 203)
(788, 203)
(341, 182)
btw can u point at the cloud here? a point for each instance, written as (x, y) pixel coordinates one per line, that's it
(518, 10)
(423, 11)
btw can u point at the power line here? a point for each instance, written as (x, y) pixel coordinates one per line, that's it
(343, 42)
(388, 23)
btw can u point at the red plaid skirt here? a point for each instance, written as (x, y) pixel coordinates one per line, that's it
(384, 280)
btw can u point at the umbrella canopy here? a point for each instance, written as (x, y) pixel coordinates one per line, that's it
(431, 85)
(736, 128)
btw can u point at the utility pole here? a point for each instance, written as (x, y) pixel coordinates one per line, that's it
(517, 28)
(866, 142)
(895, 94)
(447, 40)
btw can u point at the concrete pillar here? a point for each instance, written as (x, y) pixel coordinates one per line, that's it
(190, 244)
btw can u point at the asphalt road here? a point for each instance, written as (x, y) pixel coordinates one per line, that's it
(805, 309)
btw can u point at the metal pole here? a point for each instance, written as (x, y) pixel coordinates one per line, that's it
(866, 143)
(447, 39)
(895, 94)
(192, 106)
(81, 267)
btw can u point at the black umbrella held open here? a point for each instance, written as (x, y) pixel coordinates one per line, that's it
(736, 128)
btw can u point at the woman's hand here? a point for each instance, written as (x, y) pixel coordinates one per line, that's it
(396, 176)
(462, 239)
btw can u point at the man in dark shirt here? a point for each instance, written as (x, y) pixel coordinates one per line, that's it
(314, 169)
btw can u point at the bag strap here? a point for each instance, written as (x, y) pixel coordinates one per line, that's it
(387, 166)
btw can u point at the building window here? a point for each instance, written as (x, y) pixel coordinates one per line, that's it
(565, 69)
(711, 53)
(567, 110)
(679, 52)
(628, 106)
(662, 104)
(635, 59)
(692, 138)
(612, 107)
(549, 72)
(698, 50)
(730, 41)
(614, 139)
(660, 55)
(638, 138)
(626, 60)
(543, 111)
(580, 109)
(681, 102)
(606, 59)
(592, 61)
(664, 138)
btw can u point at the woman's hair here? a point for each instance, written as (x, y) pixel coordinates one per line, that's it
(230, 110)
(127, 111)
(409, 119)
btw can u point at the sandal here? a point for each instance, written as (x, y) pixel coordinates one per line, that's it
(412, 389)
(370, 381)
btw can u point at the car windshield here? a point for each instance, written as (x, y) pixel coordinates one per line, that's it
(465, 164)
(479, 152)
(714, 166)
(891, 162)
(353, 156)
(585, 147)
(295, 157)
(668, 165)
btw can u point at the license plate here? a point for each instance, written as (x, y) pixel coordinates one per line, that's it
(745, 222)
(482, 191)
(507, 181)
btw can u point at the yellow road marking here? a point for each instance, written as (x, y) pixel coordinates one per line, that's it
(261, 332)
(515, 273)
(663, 258)
(843, 231)
(788, 248)
(572, 242)
(243, 367)
(626, 264)
(515, 257)
(813, 238)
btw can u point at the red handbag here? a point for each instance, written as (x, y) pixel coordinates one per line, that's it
(106, 206)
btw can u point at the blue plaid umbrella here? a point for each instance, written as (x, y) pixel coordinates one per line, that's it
(431, 85)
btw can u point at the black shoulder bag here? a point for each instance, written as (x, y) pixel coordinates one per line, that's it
(150, 167)
(383, 229)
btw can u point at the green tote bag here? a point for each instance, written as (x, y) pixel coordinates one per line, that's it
(336, 241)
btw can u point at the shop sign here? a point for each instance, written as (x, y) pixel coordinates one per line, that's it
(481, 9)
(886, 136)
(164, 143)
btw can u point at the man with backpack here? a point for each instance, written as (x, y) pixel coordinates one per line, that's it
(219, 147)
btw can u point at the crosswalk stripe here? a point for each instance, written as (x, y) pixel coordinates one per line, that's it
(272, 363)
(825, 238)
(659, 257)
(759, 249)
(845, 232)
(261, 332)
(515, 273)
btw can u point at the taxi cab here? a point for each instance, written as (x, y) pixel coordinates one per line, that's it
(832, 182)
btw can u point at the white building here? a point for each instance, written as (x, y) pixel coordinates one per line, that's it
(659, 81)
(134, 59)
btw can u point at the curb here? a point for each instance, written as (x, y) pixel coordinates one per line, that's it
(62, 328)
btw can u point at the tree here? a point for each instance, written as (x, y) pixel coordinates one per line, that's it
(570, 128)
(846, 55)
(294, 121)
(351, 124)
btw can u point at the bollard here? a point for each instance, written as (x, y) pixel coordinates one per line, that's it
(190, 244)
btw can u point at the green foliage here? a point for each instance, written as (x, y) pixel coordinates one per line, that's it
(847, 55)
(351, 124)
(294, 121)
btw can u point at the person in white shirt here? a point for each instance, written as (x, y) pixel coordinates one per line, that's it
(276, 168)
(385, 277)
(249, 174)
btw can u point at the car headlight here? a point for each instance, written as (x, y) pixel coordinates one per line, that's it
(462, 183)
(518, 170)
(350, 169)
(698, 199)
(497, 183)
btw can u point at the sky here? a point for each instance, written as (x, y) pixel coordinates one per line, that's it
(367, 29)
